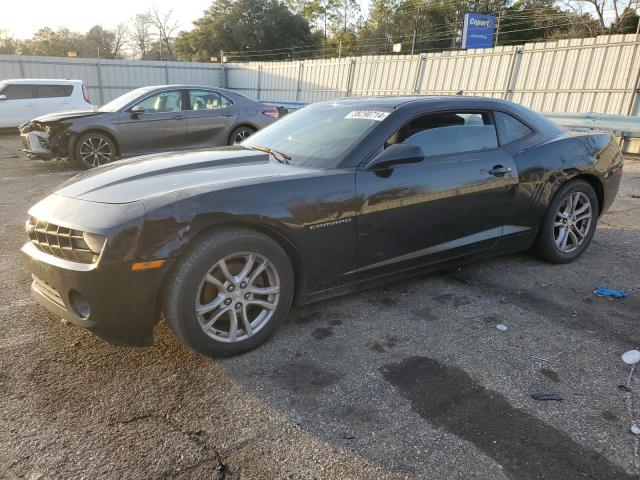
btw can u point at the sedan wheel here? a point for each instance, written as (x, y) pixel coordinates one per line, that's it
(229, 292)
(240, 134)
(237, 297)
(93, 150)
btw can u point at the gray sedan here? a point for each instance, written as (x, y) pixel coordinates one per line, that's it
(146, 120)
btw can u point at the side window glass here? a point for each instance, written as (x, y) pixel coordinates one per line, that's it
(208, 100)
(448, 133)
(18, 92)
(163, 102)
(510, 129)
(225, 101)
(53, 91)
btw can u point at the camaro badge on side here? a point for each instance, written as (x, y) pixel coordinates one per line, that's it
(329, 224)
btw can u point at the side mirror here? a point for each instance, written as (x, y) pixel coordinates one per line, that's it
(137, 110)
(3, 98)
(396, 154)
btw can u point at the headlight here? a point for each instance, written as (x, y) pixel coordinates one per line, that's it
(94, 241)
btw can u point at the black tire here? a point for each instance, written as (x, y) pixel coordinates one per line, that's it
(545, 246)
(185, 281)
(103, 146)
(240, 133)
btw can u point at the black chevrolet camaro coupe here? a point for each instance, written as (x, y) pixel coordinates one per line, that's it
(334, 197)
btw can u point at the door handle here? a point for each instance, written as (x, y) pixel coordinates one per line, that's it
(179, 117)
(227, 114)
(499, 170)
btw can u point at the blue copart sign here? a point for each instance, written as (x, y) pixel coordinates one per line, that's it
(477, 30)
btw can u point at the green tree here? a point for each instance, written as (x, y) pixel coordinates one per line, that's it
(243, 27)
(538, 20)
(98, 42)
(55, 43)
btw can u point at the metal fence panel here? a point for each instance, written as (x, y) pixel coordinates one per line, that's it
(107, 79)
(475, 72)
(579, 75)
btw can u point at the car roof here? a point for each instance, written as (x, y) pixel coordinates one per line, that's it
(41, 81)
(185, 85)
(418, 103)
(430, 100)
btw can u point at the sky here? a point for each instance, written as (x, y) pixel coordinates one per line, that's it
(80, 15)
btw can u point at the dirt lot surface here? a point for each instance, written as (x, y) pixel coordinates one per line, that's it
(412, 380)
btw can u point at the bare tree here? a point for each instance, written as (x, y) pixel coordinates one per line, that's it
(119, 40)
(165, 27)
(140, 35)
(621, 9)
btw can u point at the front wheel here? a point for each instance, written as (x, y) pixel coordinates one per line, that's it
(94, 149)
(229, 293)
(569, 223)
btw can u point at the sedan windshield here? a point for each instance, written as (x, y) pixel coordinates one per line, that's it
(319, 135)
(123, 100)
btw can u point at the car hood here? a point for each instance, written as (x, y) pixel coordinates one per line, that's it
(148, 176)
(66, 115)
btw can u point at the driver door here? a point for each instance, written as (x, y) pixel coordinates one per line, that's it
(161, 127)
(451, 203)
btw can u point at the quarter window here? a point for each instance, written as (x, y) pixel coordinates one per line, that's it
(53, 91)
(509, 128)
(208, 100)
(448, 133)
(163, 102)
(18, 91)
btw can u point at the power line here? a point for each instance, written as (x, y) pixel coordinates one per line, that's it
(431, 36)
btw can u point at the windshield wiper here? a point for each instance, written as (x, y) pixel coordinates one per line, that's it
(279, 156)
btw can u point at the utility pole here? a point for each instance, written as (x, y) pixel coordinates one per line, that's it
(453, 40)
(339, 48)
(497, 29)
(415, 28)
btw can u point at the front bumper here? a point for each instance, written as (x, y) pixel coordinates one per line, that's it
(123, 306)
(34, 144)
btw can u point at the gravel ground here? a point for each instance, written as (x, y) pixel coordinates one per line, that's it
(411, 380)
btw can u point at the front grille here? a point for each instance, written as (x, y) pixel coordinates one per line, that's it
(48, 291)
(61, 242)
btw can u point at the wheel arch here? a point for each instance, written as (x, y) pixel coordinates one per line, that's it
(102, 131)
(598, 187)
(201, 228)
(239, 125)
(592, 180)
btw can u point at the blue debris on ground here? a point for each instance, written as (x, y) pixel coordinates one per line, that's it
(603, 291)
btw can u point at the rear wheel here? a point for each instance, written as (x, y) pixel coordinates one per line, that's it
(229, 293)
(240, 134)
(94, 149)
(569, 224)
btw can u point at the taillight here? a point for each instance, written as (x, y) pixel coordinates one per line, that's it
(85, 94)
(272, 112)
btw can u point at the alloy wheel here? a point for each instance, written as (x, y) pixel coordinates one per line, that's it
(572, 222)
(241, 135)
(95, 151)
(237, 297)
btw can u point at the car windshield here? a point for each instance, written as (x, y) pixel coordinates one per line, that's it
(123, 100)
(319, 135)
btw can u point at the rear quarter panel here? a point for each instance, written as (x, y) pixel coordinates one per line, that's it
(546, 167)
